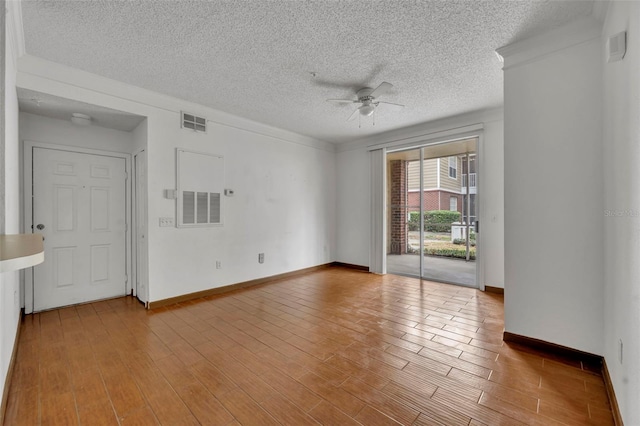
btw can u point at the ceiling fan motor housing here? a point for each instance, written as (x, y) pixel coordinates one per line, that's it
(367, 97)
(364, 93)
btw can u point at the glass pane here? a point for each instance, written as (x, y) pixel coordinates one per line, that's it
(449, 241)
(403, 209)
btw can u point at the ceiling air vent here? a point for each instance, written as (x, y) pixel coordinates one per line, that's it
(190, 121)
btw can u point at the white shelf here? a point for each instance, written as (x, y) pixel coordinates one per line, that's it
(20, 251)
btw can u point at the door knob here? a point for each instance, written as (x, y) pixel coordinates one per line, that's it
(40, 226)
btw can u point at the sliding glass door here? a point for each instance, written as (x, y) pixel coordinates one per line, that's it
(432, 212)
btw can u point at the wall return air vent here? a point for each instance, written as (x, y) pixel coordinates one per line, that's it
(192, 122)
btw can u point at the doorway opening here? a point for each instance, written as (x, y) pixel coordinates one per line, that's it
(432, 212)
(78, 192)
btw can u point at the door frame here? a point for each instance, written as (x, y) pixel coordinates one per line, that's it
(139, 200)
(379, 243)
(28, 207)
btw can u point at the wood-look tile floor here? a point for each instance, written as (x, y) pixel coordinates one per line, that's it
(335, 346)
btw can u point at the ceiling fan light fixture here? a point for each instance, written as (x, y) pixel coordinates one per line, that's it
(367, 99)
(367, 110)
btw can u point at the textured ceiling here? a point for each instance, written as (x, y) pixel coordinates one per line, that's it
(255, 58)
(61, 108)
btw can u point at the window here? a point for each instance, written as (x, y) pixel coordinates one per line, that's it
(453, 204)
(453, 167)
(200, 185)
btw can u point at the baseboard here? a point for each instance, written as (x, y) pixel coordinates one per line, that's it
(553, 348)
(576, 355)
(225, 289)
(496, 290)
(12, 363)
(351, 266)
(613, 401)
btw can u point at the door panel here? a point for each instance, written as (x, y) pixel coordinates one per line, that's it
(64, 199)
(79, 207)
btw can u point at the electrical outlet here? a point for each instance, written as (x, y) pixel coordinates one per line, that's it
(621, 351)
(166, 221)
(260, 257)
(218, 264)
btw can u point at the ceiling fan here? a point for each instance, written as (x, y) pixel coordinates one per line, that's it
(368, 98)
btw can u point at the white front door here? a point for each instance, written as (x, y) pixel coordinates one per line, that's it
(79, 206)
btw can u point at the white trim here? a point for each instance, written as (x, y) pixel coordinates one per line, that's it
(15, 29)
(28, 206)
(59, 80)
(435, 138)
(423, 130)
(455, 167)
(438, 183)
(136, 264)
(438, 189)
(421, 211)
(531, 49)
(179, 208)
(480, 263)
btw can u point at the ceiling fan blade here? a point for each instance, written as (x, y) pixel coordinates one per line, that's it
(342, 101)
(382, 88)
(390, 103)
(354, 114)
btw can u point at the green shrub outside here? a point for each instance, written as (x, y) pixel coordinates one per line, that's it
(463, 242)
(434, 220)
(414, 221)
(447, 252)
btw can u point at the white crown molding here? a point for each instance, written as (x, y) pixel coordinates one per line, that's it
(60, 80)
(576, 32)
(425, 130)
(15, 30)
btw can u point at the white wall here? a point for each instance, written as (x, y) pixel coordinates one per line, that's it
(140, 137)
(553, 194)
(284, 206)
(284, 203)
(354, 201)
(36, 128)
(492, 203)
(353, 207)
(9, 281)
(621, 153)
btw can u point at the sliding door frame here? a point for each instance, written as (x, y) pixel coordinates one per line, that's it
(378, 245)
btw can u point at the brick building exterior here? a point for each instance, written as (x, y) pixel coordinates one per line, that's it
(397, 207)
